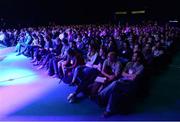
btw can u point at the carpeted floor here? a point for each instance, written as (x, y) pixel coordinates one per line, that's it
(30, 94)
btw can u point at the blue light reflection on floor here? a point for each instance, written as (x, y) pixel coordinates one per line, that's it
(12, 73)
(15, 75)
(12, 58)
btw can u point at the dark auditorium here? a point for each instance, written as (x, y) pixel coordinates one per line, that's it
(89, 60)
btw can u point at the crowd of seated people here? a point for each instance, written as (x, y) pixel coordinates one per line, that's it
(8, 37)
(102, 61)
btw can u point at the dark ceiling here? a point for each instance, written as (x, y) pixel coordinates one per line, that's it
(68, 10)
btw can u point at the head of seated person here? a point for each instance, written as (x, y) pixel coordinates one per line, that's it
(112, 57)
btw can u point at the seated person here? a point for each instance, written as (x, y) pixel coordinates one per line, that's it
(56, 61)
(91, 55)
(116, 92)
(55, 51)
(111, 67)
(125, 53)
(74, 59)
(148, 55)
(26, 44)
(20, 42)
(91, 61)
(86, 76)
